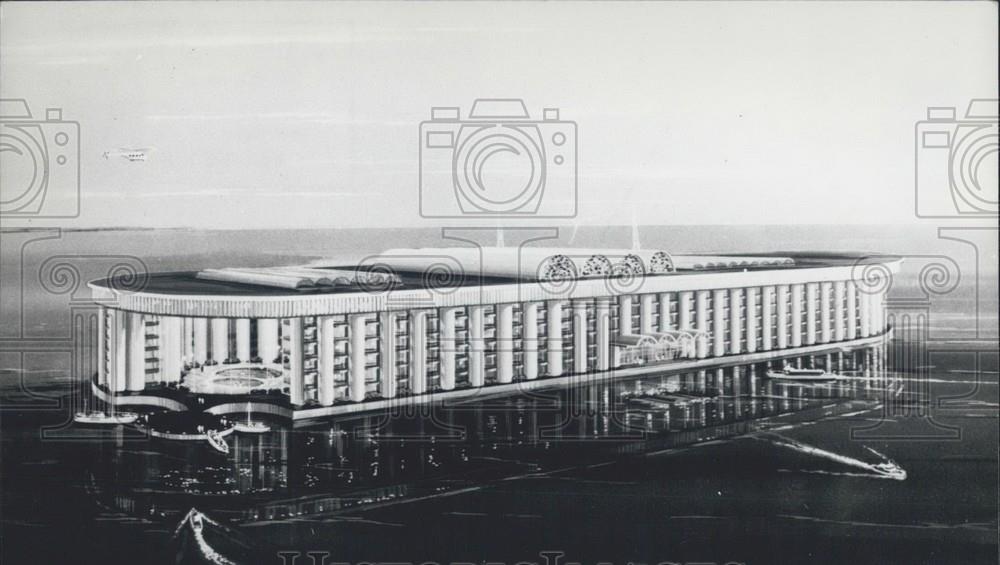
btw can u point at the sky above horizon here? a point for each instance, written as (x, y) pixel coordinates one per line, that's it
(308, 114)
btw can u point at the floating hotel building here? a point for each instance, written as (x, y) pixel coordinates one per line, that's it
(415, 325)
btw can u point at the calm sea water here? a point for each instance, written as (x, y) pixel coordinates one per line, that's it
(726, 467)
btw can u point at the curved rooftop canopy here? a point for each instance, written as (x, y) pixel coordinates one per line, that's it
(299, 277)
(523, 263)
(708, 262)
(554, 264)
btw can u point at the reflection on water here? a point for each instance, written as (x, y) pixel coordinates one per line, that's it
(602, 468)
(417, 451)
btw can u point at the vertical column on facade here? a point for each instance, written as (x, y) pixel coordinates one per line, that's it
(646, 314)
(293, 343)
(554, 337)
(171, 348)
(102, 346)
(505, 343)
(603, 307)
(243, 339)
(446, 349)
(387, 357)
(797, 295)
(812, 290)
(839, 323)
(187, 342)
(136, 352)
(781, 298)
(878, 313)
(876, 310)
(735, 321)
(418, 351)
(882, 312)
(701, 321)
(825, 312)
(200, 340)
(751, 325)
(154, 354)
(109, 352)
(665, 299)
(852, 310)
(358, 329)
(118, 376)
(580, 336)
(327, 357)
(477, 346)
(767, 317)
(685, 300)
(625, 314)
(220, 339)
(267, 339)
(872, 314)
(719, 322)
(163, 344)
(865, 315)
(529, 337)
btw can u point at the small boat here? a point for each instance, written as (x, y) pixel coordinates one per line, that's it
(792, 374)
(890, 470)
(97, 417)
(197, 523)
(250, 426)
(216, 441)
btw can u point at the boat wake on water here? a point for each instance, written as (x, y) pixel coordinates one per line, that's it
(885, 469)
(200, 539)
(194, 523)
(831, 473)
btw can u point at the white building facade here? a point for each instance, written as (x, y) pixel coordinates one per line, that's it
(358, 345)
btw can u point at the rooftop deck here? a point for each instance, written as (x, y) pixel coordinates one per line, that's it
(187, 283)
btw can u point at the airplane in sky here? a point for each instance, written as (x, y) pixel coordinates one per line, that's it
(133, 155)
